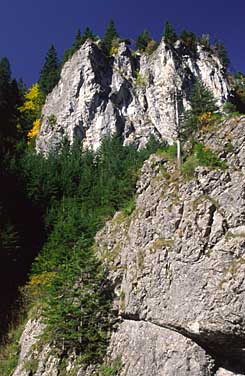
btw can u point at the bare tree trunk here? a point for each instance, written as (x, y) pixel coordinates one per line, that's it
(179, 159)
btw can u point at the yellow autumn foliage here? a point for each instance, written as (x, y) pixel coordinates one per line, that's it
(33, 99)
(39, 282)
(34, 131)
(206, 121)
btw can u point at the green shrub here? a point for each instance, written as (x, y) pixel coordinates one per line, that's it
(31, 365)
(168, 152)
(52, 120)
(140, 80)
(9, 353)
(128, 210)
(111, 369)
(201, 156)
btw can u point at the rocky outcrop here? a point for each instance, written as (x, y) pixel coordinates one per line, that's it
(177, 264)
(134, 95)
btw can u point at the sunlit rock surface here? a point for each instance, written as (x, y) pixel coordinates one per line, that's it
(132, 94)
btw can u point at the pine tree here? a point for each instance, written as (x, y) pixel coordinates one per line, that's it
(222, 53)
(142, 40)
(188, 39)
(88, 34)
(110, 34)
(202, 99)
(77, 42)
(202, 102)
(169, 34)
(10, 99)
(50, 72)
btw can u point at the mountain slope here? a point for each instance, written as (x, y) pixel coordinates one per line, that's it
(177, 268)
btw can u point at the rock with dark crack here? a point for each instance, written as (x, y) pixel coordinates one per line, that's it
(179, 261)
(135, 96)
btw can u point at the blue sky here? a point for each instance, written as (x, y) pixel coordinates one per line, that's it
(29, 27)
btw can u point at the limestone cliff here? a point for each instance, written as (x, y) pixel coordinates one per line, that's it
(133, 94)
(177, 266)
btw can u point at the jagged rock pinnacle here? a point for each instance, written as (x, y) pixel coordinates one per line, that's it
(135, 95)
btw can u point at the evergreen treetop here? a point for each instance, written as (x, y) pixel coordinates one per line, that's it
(110, 34)
(5, 70)
(202, 99)
(188, 39)
(10, 99)
(221, 51)
(142, 40)
(88, 34)
(169, 34)
(202, 104)
(78, 41)
(50, 72)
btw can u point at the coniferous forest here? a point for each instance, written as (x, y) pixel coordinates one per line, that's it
(51, 209)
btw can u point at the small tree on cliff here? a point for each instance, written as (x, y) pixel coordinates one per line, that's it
(169, 34)
(88, 34)
(142, 40)
(50, 72)
(222, 53)
(78, 41)
(203, 105)
(110, 34)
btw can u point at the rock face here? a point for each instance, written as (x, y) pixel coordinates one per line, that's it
(135, 96)
(177, 264)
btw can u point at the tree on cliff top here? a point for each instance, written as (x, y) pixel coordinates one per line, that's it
(88, 34)
(142, 40)
(222, 53)
(50, 72)
(110, 34)
(169, 33)
(78, 41)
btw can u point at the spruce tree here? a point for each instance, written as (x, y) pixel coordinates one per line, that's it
(142, 40)
(169, 34)
(77, 42)
(222, 53)
(188, 39)
(110, 34)
(202, 101)
(10, 99)
(50, 72)
(88, 34)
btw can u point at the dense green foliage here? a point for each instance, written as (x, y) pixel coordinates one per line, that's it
(189, 40)
(110, 34)
(204, 40)
(200, 156)
(142, 40)
(202, 102)
(11, 97)
(79, 40)
(169, 34)
(77, 191)
(222, 53)
(237, 98)
(50, 72)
